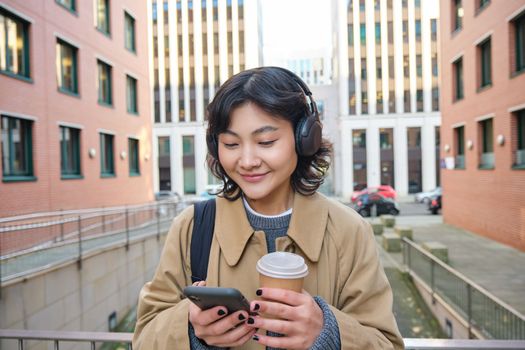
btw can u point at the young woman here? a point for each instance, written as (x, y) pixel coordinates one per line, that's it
(264, 142)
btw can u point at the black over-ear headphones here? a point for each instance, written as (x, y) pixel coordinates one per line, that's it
(308, 132)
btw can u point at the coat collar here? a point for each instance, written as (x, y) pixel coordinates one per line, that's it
(307, 226)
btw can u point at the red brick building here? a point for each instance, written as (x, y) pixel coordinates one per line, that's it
(483, 117)
(74, 105)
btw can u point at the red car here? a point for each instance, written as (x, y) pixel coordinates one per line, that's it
(384, 190)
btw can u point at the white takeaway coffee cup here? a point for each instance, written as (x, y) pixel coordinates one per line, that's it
(282, 270)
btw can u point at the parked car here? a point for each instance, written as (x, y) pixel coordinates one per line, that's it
(166, 195)
(384, 190)
(366, 202)
(434, 205)
(424, 197)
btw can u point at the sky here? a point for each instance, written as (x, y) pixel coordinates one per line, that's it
(296, 24)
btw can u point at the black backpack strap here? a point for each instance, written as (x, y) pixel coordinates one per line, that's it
(203, 226)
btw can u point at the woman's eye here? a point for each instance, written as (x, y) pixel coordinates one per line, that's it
(267, 143)
(230, 145)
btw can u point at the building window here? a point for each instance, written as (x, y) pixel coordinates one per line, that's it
(68, 4)
(104, 83)
(520, 138)
(359, 159)
(457, 12)
(458, 79)
(17, 148)
(107, 165)
(459, 140)
(485, 71)
(14, 45)
(69, 152)
(188, 164)
(164, 162)
(482, 4)
(67, 70)
(487, 144)
(131, 95)
(386, 156)
(129, 32)
(103, 16)
(519, 38)
(133, 151)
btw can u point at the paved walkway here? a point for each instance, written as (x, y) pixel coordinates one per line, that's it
(496, 267)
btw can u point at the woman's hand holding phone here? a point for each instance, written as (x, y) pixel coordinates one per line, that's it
(218, 328)
(294, 315)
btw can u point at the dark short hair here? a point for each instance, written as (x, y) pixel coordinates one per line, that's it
(275, 91)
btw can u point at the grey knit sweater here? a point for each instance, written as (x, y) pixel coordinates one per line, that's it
(275, 227)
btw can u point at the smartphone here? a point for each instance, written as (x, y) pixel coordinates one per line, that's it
(208, 297)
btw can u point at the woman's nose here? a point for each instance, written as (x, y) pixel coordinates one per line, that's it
(249, 159)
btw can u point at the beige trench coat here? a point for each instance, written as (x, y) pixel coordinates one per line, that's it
(337, 244)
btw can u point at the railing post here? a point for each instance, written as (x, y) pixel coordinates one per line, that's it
(61, 226)
(103, 220)
(79, 242)
(127, 229)
(469, 310)
(432, 265)
(409, 247)
(158, 220)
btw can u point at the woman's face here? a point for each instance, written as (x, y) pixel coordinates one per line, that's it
(257, 151)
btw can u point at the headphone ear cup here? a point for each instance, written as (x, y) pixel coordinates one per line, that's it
(213, 147)
(308, 136)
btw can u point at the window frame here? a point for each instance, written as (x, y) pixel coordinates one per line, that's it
(75, 91)
(133, 156)
(459, 146)
(107, 172)
(132, 105)
(481, 5)
(459, 87)
(486, 147)
(457, 19)
(26, 65)
(133, 47)
(108, 102)
(107, 16)
(485, 78)
(28, 172)
(76, 171)
(520, 139)
(518, 24)
(72, 8)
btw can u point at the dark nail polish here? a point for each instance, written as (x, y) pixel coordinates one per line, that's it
(256, 307)
(255, 337)
(221, 312)
(259, 292)
(241, 317)
(251, 321)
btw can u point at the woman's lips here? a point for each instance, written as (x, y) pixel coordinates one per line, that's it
(253, 177)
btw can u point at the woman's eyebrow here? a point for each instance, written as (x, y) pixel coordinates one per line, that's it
(261, 130)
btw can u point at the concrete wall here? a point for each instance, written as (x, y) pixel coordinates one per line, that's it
(73, 299)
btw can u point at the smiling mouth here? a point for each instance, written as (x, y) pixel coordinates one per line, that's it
(253, 177)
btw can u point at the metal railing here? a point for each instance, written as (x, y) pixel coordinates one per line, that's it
(57, 337)
(37, 242)
(483, 313)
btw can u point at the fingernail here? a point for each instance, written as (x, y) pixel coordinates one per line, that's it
(255, 337)
(221, 312)
(259, 292)
(241, 317)
(256, 307)
(251, 320)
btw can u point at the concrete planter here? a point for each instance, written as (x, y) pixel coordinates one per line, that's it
(391, 242)
(388, 220)
(378, 228)
(404, 231)
(439, 250)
